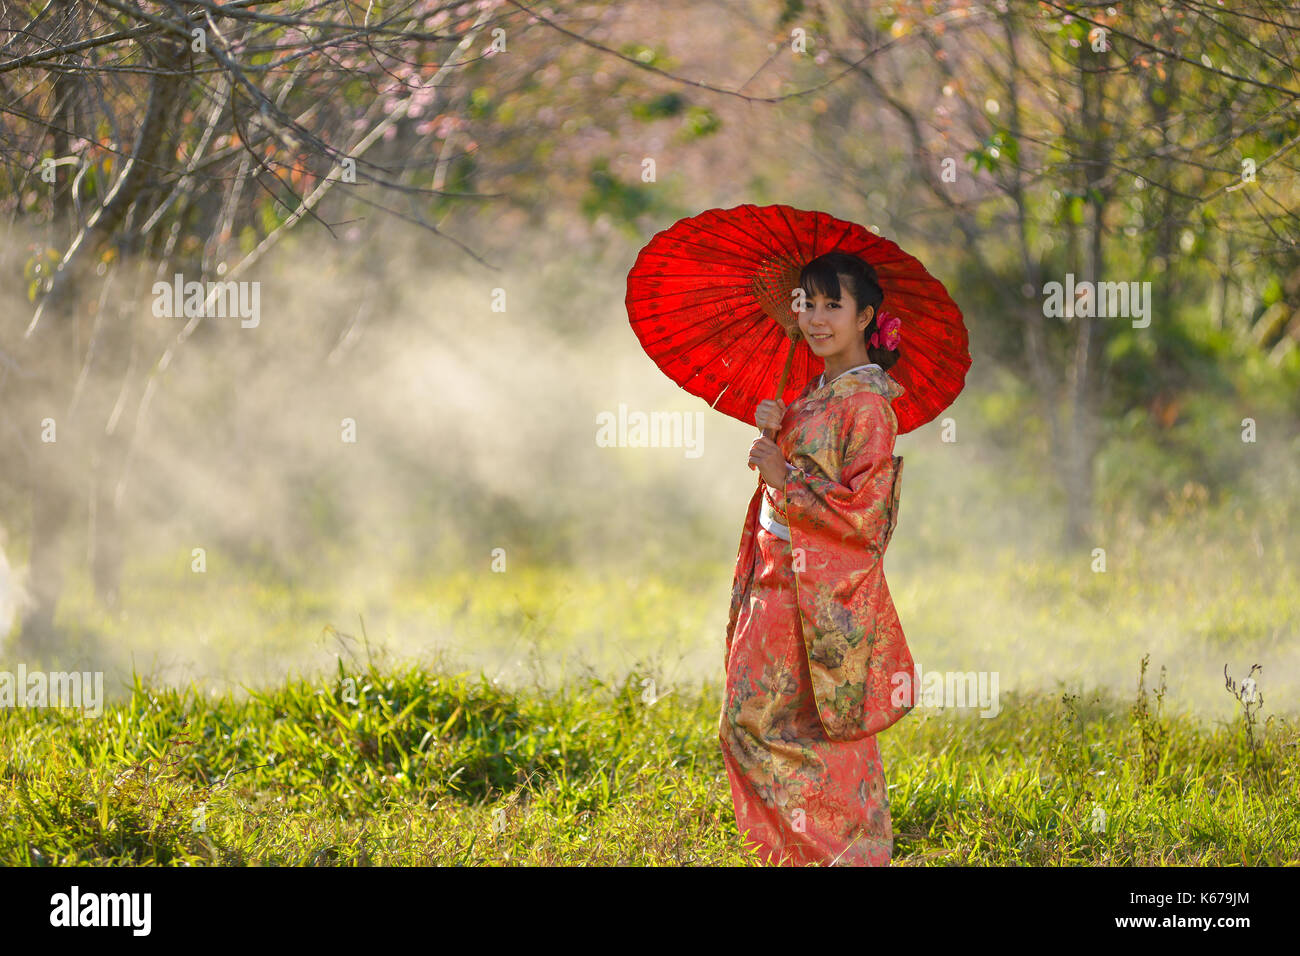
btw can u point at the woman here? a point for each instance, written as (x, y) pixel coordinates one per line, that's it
(817, 663)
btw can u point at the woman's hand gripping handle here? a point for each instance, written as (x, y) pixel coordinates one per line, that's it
(765, 454)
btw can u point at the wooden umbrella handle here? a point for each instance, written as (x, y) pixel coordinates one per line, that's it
(785, 374)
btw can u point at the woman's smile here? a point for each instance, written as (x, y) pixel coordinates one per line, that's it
(833, 329)
(825, 322)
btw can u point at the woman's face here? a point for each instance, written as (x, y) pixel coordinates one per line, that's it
(834, 326)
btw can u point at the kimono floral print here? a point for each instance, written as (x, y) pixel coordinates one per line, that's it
(813, 639)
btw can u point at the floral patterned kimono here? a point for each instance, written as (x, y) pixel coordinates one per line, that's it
(813, 641)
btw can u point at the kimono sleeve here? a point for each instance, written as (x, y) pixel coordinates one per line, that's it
(858, 509)
(838, 531)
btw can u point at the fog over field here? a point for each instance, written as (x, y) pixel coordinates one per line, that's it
(384, 450)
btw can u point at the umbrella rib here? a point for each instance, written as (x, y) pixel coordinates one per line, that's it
(744, 252)
(742, 312)
(720, 354)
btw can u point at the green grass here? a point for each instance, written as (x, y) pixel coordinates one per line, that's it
(433, 768)
(229, 697)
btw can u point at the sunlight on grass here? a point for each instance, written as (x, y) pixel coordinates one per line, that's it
(406, 766)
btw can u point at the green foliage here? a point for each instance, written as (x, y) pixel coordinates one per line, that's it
(659, 107)
(647, 55)
(417, 767)
(422, 765)
(38, 270)
(609, 195)
(480, 103)
(1001, 146)
(700, 122)
(791, 10)
(273, 215)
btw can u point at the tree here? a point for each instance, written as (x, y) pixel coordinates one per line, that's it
(150, 139)
(1101, 143)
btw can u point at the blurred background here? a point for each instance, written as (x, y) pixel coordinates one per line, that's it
(437, 209)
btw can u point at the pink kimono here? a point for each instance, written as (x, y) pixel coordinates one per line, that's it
(815, 651)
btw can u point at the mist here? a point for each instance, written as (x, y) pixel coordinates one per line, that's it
(406, 447)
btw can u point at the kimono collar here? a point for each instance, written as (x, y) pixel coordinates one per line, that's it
(821, 382)
(862, 377)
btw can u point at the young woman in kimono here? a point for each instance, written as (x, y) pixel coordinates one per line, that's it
(816, 660)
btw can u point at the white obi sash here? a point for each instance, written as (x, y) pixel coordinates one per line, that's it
(768, 519)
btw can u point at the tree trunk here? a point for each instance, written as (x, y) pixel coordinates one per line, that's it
(55, 482)
(1085, 369)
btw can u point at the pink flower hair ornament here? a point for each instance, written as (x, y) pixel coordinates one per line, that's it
(887, 333)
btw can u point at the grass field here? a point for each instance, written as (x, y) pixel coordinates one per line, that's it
(567, 713)
(382, 766)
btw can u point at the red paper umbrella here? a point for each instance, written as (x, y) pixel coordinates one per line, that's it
(709, 298)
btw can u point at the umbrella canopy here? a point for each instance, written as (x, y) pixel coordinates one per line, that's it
(709, 298)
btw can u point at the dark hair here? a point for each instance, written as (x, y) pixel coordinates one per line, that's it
(822, 275)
